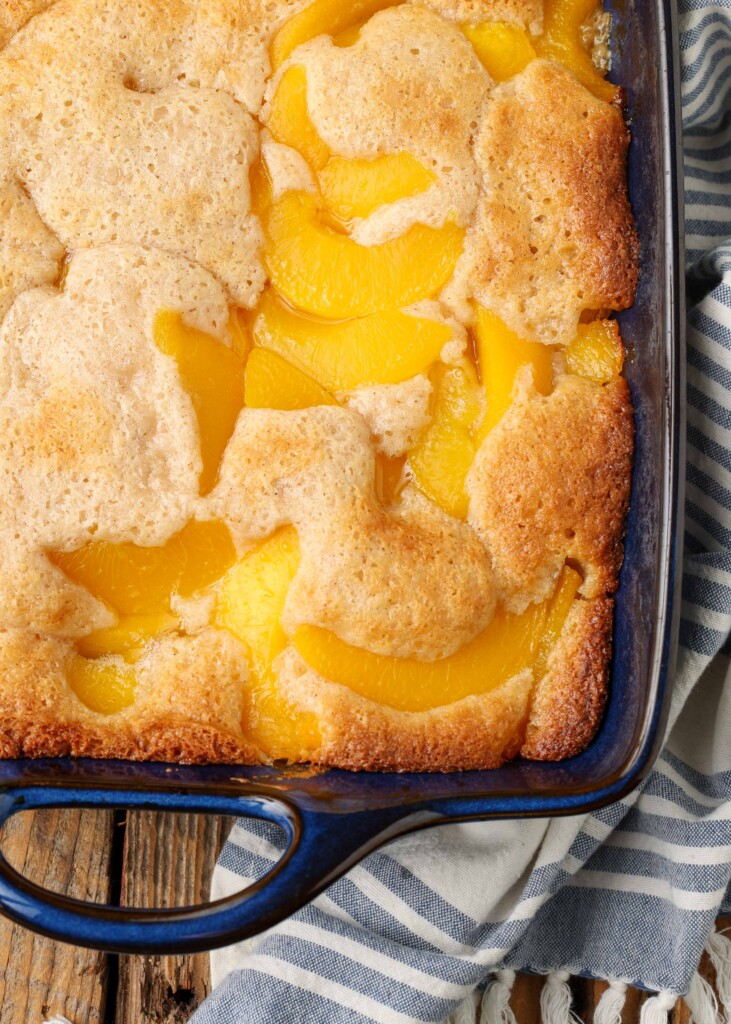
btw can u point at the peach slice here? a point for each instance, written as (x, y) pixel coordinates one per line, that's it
(128, 637)
(596, 352)
(213, 376)
(441, 460)
(323, 272)
(349, 36)
(250, 603)
(252, 594)
(561, 41)
(350, 188)
(104, 685)
(501, 353)
(137, 580)
(239, 329)
(260, 186)
(560, 605)
(323, 17)
(503, 49)
(273, 383)
(383, 348)
(509, 644)
(355, 188)
(391, 478)
(289, 119)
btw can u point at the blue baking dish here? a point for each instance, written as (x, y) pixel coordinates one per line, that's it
(334, 818)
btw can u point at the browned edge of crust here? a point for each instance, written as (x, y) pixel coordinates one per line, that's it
(181, 742)
(569, 701)
(474, 733)
(478, 732)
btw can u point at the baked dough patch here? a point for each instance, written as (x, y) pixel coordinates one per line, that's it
(550, 484)
(553, 235)
(410, 83)
(136, 176)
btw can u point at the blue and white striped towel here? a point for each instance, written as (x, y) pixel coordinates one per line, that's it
(628, 894)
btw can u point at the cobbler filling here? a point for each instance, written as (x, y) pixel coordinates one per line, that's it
(332, 319)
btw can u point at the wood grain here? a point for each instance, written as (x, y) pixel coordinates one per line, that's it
(168, 861)
(68, 851)
(525, 998)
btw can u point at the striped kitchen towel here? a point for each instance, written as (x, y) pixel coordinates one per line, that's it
(630, 893)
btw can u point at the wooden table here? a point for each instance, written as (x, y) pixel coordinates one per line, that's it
(148, 859)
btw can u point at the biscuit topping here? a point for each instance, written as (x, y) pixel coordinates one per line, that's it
(310, 402)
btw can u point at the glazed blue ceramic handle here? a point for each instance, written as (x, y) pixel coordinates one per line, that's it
(321, 845)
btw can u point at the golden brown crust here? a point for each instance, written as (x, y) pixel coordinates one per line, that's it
(182, 742)
(188, 705)
(394, 90)
(14, 14)
(568, 702)
(315, 469)
(554, 233)
(563, 467)
(526, 13)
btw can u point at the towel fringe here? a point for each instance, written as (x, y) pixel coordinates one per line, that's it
(718, 948)
(556, 997)
(556, 1000)
(655, 1010)
(496, 1008)
(609, 1008)
(702, 1001)
(466, 1012)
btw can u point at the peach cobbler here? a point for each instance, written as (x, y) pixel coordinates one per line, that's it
(314, 443)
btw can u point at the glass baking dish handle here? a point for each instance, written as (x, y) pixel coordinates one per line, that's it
(321, 846)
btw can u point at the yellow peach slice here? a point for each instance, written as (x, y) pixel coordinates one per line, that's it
(239, 329)
(349, 36)
(568, 585)
(561, 41)
(596, 352)
(252, 594)
(503, 49)
(104, 685)
(323, 17)
(441, 460)
(260, 186)
(213, 376)
(383, 348)
(128, 637)
(250, 603)
(501, 353)
(137, 580)
(355, 188)
(289, 119)
(273, 383)
(508, 645)
(391, 478)
(350, 188)
(443, 456)
(327, 274)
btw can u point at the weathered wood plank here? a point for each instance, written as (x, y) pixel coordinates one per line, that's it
(68, 851)
(525, 998)
(168, 861)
